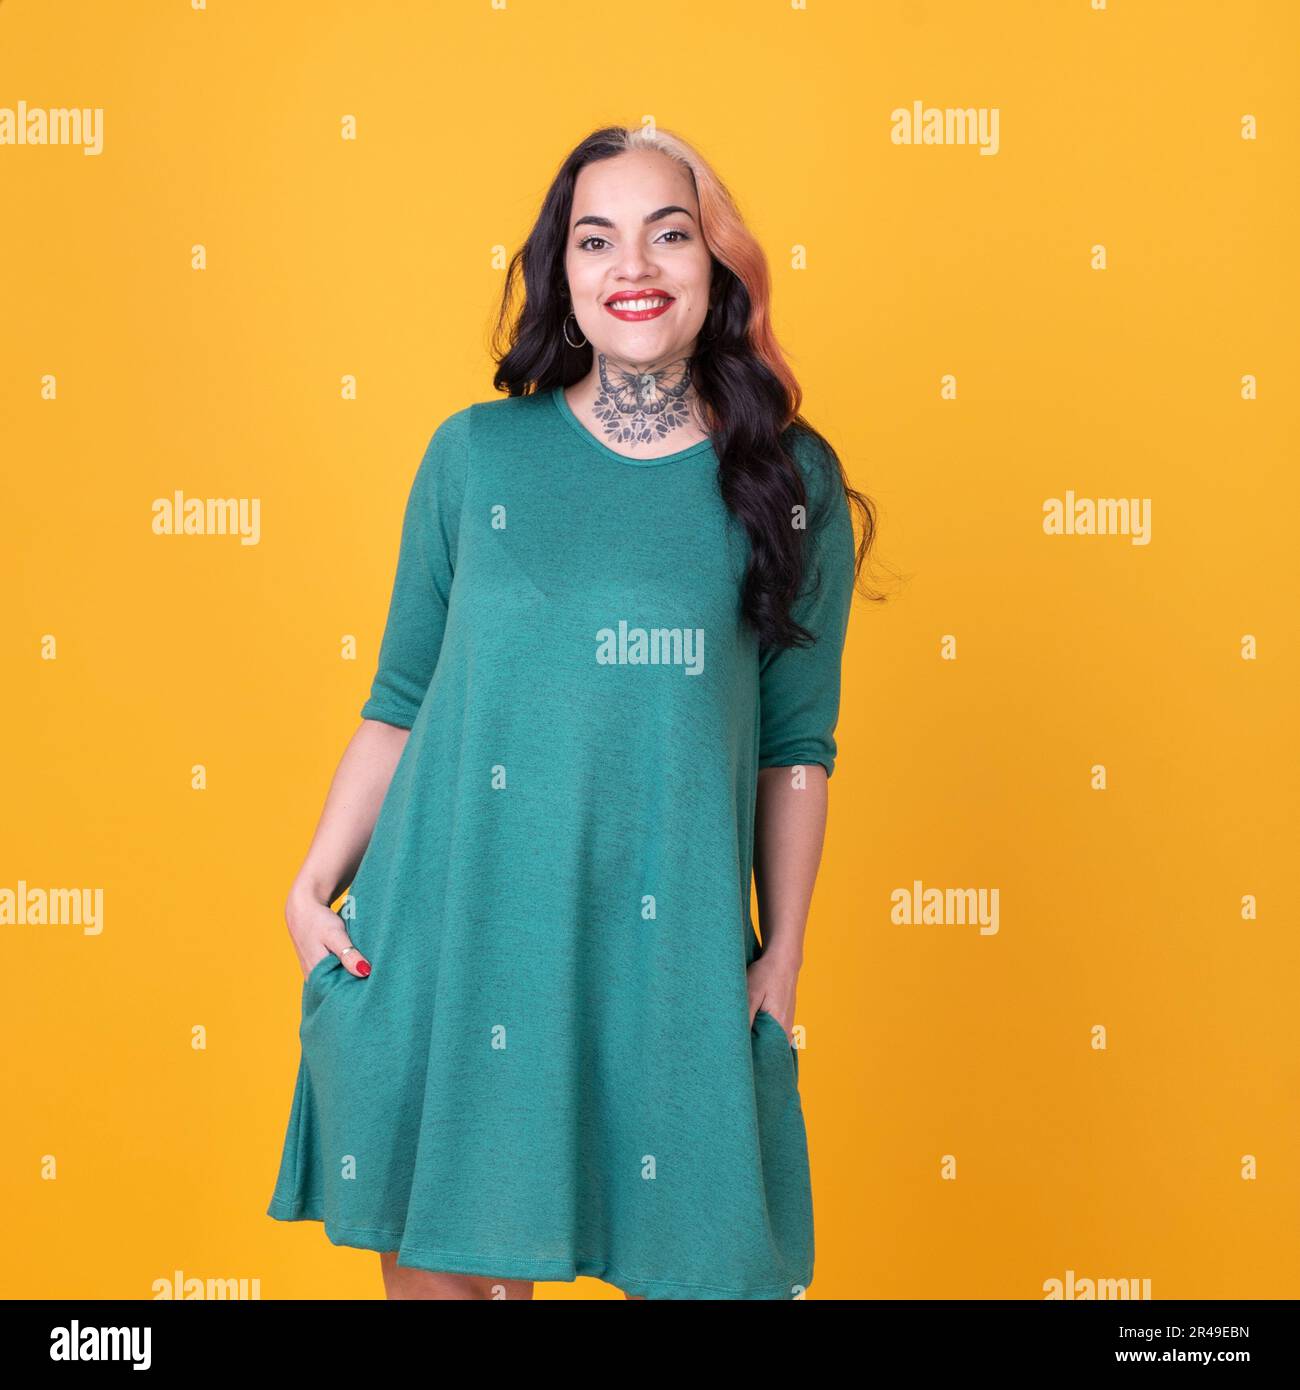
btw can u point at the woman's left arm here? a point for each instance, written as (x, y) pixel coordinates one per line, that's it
(799, 698)
(789, 828)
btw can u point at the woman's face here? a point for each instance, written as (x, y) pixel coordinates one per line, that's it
(634, 236)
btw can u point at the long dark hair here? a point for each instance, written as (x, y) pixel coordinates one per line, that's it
(748, 394)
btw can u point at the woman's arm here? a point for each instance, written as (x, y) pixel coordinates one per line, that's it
(789, 828)
(342, 834)
(408, 655)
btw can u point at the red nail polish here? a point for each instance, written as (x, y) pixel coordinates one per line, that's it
(363, 967)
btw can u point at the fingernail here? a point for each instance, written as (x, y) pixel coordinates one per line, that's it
(363, 967)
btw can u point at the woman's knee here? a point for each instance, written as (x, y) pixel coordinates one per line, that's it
(401, 1281)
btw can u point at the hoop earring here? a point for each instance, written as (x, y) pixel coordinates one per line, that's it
(565, 330)
(708, 337)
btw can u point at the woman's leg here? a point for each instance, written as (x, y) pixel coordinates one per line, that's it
(403, 1282)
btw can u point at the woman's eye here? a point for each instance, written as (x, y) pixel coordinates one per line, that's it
(586, 243)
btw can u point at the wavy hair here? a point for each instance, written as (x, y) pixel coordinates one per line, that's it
(748, 395)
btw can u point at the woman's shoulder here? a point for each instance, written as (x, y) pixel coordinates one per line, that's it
(481, 427)
(501, 413)
(811, 449)
(818, 464)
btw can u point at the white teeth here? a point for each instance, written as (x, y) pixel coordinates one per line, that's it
(637, 306)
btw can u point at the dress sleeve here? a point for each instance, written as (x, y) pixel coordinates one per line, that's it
(417, 611)
(799, 687)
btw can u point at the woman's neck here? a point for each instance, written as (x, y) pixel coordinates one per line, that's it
(643, 410)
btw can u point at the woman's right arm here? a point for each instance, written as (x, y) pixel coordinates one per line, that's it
(408, 654)
(342, 834)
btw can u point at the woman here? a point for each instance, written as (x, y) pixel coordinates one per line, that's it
(540, 1038)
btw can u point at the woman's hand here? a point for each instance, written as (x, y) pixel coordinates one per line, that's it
(317, 932)
(346, 823)
(772, 981)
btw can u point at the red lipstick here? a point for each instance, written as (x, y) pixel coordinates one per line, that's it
(649, 309)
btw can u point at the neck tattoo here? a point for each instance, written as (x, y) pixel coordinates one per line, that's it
(642, 407)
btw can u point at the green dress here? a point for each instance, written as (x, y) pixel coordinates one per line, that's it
(551, 1071)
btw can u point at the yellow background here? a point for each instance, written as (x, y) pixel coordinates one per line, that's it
(1119, 908)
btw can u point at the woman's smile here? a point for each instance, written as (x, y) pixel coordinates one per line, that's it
(634, 306)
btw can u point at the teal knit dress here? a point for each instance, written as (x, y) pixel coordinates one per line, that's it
(550, 1071)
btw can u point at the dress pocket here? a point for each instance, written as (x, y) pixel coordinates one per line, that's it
(322, 967)
(772, 1024)
(326, 977)
(783, 1145)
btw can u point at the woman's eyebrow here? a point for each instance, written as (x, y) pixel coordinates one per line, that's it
(655, 216)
